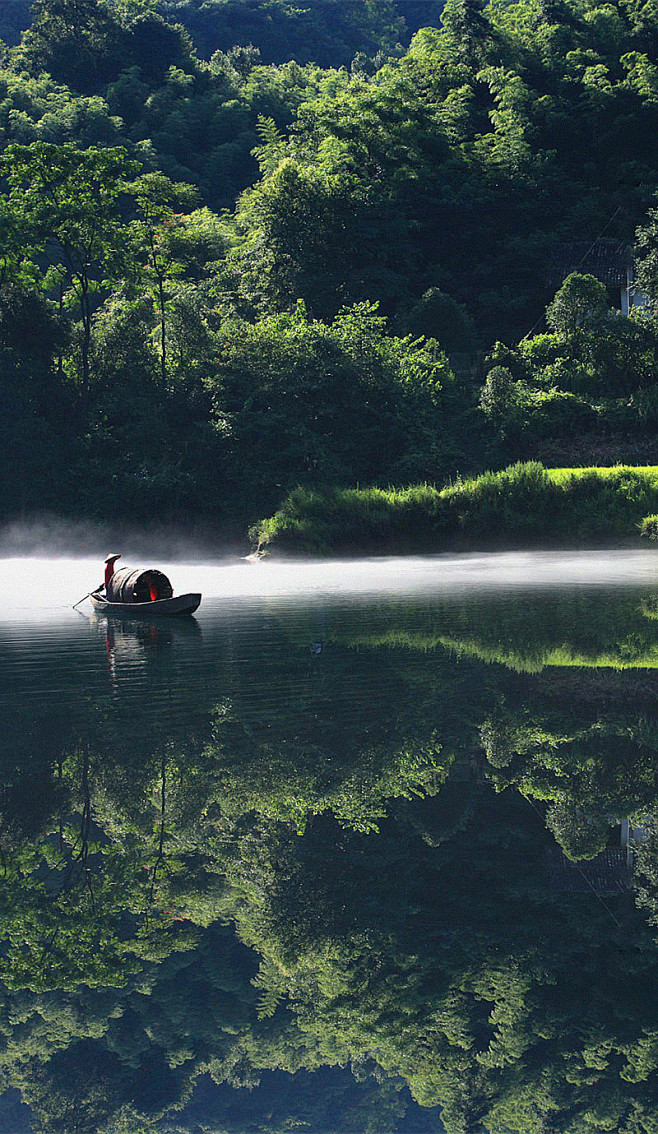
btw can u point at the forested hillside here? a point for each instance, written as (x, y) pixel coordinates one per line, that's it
(14, 19)
(329, 32)
(246, 247)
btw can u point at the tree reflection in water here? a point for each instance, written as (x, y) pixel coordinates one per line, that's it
(229, 864)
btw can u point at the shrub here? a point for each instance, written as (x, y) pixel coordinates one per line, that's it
(645, 405)
(558, 412)
(503, 400)
(649, 527)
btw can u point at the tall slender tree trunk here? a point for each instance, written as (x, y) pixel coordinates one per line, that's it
(163, 331)
(85, 306)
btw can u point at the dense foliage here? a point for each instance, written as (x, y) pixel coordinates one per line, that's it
(14, 18)
(523, 505)
(261, 250)
(255, 251)
(195, 221)
(327, 32)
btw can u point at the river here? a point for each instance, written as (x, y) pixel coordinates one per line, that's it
(361, 846)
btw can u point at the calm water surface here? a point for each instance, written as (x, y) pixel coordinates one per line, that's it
(362, 846)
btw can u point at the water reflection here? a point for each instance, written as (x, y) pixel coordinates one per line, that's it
(400, 846)
(129, 642)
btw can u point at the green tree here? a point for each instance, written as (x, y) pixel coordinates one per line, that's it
(646, 265)
(579, 305)
(311, 402)
(71, 201)
(157, 202)
(76, 41)
(502, 400)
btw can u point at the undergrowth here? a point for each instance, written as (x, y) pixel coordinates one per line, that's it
(525, 504)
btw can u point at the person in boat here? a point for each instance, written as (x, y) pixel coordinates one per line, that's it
(109, 571)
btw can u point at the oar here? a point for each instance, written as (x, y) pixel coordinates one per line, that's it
(83, 599)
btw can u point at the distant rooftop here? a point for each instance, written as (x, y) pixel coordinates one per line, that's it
(608, 873)
(608, 260)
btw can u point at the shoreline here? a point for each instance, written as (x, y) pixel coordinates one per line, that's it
(522, 506)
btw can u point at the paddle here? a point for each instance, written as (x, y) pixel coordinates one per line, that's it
(82, 599)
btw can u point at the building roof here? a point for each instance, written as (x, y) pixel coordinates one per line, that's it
(608, 873)
(608, 260)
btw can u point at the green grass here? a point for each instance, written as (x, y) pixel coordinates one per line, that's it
(563, 476)
(523, 505)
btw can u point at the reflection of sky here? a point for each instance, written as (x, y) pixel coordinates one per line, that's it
(37, 588)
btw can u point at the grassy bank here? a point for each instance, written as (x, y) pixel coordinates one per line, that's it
(524, 505)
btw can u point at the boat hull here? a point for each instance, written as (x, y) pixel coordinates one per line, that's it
(160, 608)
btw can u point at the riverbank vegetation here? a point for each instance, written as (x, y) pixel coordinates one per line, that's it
(523, 505)
(246, 249)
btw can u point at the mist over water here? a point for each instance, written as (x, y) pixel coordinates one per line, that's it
(56, 537)
(48, 587)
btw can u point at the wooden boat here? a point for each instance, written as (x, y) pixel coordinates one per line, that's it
(158, 608)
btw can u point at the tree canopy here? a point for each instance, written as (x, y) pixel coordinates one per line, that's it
(437, 180)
